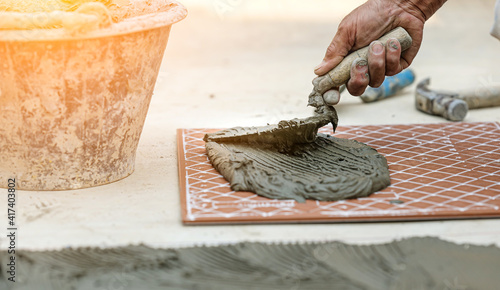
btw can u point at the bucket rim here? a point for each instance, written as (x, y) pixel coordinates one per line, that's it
(175, 13)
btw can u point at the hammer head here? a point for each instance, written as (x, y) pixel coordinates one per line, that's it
(444, 104)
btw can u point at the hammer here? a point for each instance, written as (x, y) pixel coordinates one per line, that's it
(454, 106)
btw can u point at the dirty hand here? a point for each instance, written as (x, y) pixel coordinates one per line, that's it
(367, 23)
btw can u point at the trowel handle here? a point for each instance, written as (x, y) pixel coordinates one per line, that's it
(342, 72)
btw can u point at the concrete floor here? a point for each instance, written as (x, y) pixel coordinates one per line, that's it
(250, 63)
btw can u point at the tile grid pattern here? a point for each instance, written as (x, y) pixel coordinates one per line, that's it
(449, 170)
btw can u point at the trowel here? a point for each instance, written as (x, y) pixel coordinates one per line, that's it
(287, 133)
(339, 75)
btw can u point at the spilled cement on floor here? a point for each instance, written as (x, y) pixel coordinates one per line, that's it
(415, 263)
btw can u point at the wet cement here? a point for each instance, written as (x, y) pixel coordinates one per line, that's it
(329, 168)
(416, 263)
(292, 161)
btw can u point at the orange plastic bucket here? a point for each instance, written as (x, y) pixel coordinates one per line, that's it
(73, 105)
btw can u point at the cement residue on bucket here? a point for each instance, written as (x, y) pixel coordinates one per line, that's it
(73, 104)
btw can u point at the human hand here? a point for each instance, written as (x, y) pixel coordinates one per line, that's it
(364, 25)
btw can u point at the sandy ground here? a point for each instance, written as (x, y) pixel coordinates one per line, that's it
(244, 62)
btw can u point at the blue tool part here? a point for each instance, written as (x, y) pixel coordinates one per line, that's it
(389, 87)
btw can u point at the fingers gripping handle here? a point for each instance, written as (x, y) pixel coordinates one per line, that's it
(342, 72)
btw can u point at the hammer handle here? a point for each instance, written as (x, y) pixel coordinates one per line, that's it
(481, 98)
(342, 72)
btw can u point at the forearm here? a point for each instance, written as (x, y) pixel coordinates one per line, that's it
(422, 9)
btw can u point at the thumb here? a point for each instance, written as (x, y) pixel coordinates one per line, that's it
(339, 48)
